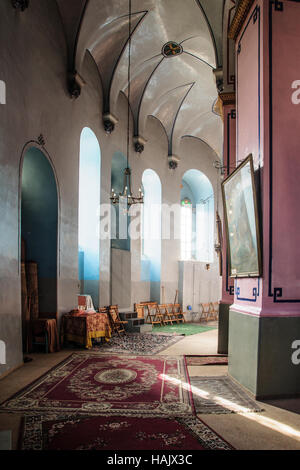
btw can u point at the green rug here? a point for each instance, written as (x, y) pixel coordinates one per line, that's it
(183, 329)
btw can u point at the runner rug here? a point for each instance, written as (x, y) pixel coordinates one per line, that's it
(69, 432)
(137, 343)
(220, 395)
(94, 383)
(206, 360)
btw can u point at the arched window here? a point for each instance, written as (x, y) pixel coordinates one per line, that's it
(197, 217)
(151, 232)
(186, 229)
(120, 219)
(88, 224)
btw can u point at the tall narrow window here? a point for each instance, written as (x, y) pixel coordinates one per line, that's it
(186, 229)
(197, 217)
(151, 232)
(89, 202)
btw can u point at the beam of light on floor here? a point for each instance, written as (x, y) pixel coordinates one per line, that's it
(241, 410)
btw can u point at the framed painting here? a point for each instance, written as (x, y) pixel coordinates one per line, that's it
(241, 222)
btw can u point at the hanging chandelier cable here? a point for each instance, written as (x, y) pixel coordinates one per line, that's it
(127, 191)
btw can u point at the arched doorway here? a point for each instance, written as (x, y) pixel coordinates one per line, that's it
(39, 228)
(88, 217)
(151, 233)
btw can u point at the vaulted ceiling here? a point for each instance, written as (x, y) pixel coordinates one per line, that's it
(179, 90)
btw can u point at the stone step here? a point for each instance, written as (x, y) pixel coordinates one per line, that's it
(146, 328)
(128, 315)
(134, 323)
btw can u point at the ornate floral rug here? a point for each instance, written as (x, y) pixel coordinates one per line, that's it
(93, 383)
(73, 432)
(137, 343)
(220, 360)
(220, 395)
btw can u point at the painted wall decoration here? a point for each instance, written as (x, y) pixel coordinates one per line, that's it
(241, 217)
(171, 49)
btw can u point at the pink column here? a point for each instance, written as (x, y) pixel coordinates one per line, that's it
(229, 159)
(229, 162)
(265, 317)
(267, 127)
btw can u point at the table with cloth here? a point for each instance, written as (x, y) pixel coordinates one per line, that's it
(83, 327)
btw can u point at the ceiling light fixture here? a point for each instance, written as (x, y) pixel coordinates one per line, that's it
(127, 191)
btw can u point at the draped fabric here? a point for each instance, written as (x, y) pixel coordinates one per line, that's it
(42, 326)
(82, 328)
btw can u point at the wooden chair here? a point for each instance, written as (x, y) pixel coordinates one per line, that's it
(214, 311)
(178, 314)
(153, 314)
(164, 314)
(117, 325)
(139, 310)
(43, 332)
(204, 311)
(174, 315)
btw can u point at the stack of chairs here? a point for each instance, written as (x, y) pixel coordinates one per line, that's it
(153, 314)
(164, 313)
(178, 314)
(160, 314)
(214, 310)
(209, 311)
(204, 311)
(117, 325)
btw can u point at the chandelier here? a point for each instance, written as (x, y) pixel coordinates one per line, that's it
(126, 194)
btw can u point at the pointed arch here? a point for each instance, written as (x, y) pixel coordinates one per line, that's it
(88, 215)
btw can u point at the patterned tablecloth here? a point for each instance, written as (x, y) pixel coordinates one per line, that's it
(82, 328)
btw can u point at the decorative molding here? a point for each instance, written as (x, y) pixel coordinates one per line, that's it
(278, 6)
(255, 293)
(75, 84)
(275, 292)
(173, 161)
(109, 122)
(41, 140)
(139, 144)
(218, 73)
(227, 98)
(241, 13)
(21, 5)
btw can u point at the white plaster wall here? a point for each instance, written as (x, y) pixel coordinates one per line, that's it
(33, 57)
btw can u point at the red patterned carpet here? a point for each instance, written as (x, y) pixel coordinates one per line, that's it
(75, 432)
(95, 384)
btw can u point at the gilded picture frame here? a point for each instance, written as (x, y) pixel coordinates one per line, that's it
(242, 222)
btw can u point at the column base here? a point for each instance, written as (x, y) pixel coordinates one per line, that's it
(223, 328)
(260, 354)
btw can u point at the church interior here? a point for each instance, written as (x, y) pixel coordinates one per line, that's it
(149, 247)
